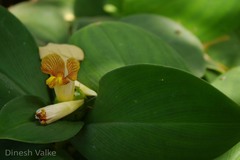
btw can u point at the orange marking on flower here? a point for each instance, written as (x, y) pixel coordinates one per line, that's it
(42, 116)
(73, 67)
(53, 64)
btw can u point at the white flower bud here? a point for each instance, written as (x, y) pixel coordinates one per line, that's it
(57, 111)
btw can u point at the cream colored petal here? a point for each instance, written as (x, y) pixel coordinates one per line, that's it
(87, 91)
(65, 50)
(65, 92)
(57, 111)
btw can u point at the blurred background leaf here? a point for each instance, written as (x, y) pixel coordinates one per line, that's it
(184, 42)
(206, 19)
(228, 83)
(88, 8)
(153, 112)
(109, 45)
(225, 49)
(47, 20)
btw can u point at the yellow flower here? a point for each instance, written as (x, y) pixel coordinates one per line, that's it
(62, 68)
(61, 62)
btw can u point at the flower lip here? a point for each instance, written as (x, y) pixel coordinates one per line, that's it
(73, 67)
(54, 65)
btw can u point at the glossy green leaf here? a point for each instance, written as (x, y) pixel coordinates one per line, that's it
(153, 112)
(232, 154)
(44, 21)
(17, 122)
(207, 19)
(109, 45)
(19, 63)
(185, 43)
(84, 8)
(228, 83)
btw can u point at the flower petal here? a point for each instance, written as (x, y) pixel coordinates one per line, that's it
(73, 67)
(53, 81)
(57, 111)
(65, 92)
(53, 64)
(87, 91)
(65, 50)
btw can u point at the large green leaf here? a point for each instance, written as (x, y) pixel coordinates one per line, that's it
(17, 122)
(205, 18)
(187, 45)
(153, 112)
(109, 45)
(228, 83)
(19, 63)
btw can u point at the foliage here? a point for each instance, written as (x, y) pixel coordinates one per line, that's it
(166, 74)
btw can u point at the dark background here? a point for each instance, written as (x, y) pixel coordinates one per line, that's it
(7, 3)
